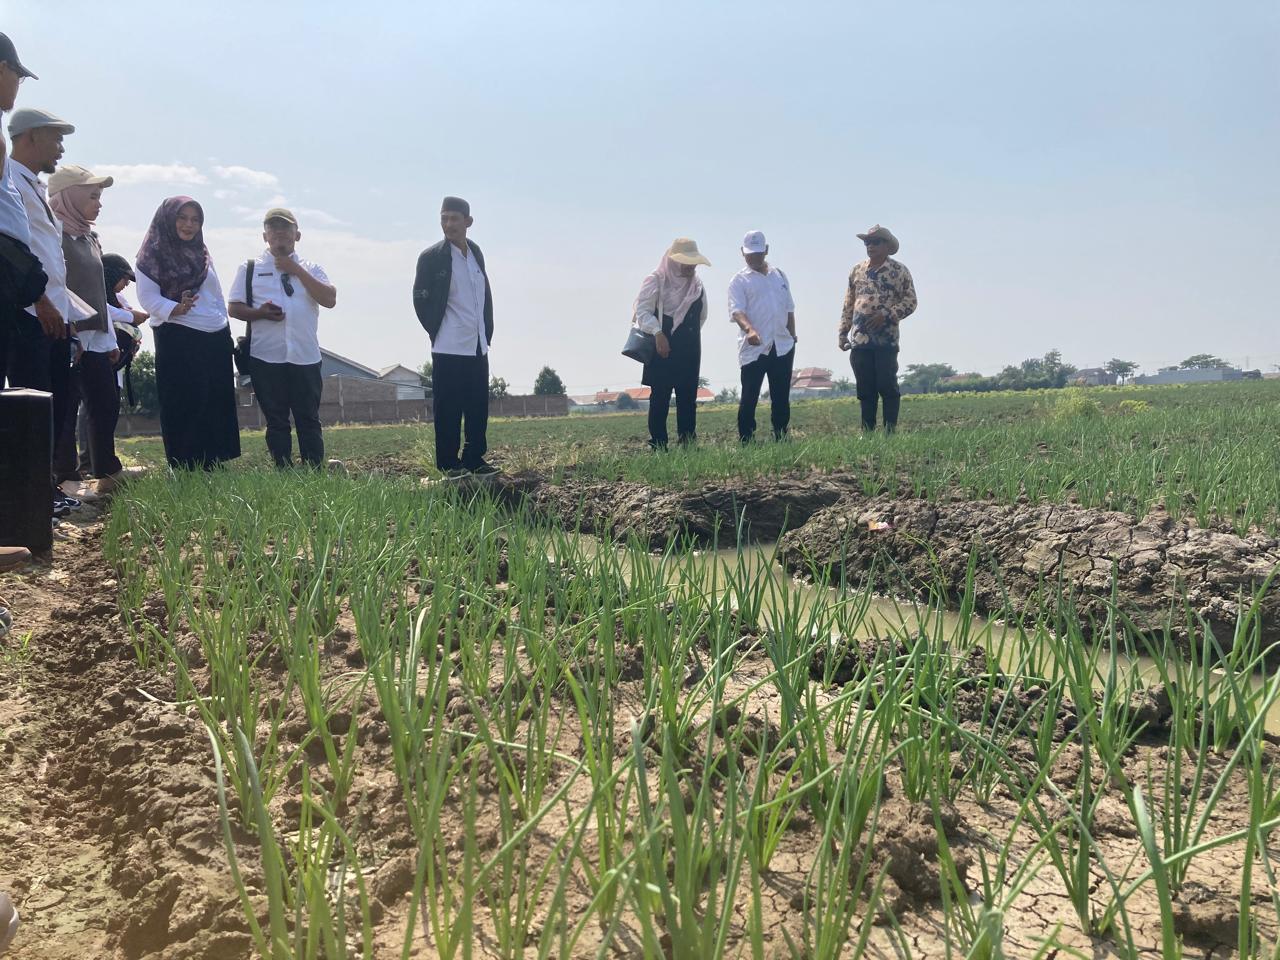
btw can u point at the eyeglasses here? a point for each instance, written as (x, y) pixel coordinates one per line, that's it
(874, 241)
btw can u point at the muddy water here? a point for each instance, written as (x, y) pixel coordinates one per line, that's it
(1017, 653)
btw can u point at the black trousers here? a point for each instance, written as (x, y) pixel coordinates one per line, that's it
(71, 449)
(25, 350)
(290, 388)
(30, 358)
(196, 386)
(460, 392)
(102, 404)
(778, 370)
(686, 392)
(875, 371)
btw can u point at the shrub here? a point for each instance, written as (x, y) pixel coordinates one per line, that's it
(1129, 407)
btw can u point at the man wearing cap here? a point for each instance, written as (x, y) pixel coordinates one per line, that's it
(36, 137)
(454, 303)
(26, 338)
(760, 304)
(881, 295)
(284, 343)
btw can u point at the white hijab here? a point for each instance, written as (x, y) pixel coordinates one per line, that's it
(671, 294)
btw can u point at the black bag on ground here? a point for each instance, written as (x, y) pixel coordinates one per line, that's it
(241, 351)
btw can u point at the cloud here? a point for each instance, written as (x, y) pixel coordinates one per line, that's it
(319, 217)
(249, 177)
(222, 194)
(127, 174)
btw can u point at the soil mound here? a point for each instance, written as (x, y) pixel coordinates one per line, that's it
(1153, 562)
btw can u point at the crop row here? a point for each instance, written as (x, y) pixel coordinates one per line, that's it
(593, 747)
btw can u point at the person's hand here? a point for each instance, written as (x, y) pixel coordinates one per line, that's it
(114, 356)
(185, 304)
(51, 321)
(663, 344)
(843, 343)
(287, 265)
(753, 337)
(270, 311)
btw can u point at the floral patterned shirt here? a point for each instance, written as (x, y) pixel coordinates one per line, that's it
(887, 290)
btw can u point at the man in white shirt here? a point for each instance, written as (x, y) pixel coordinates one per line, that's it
(26, 339)
(36, 137)
(284, 344)
(760, 304)
(454, 304)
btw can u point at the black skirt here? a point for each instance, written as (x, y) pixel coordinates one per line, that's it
(685, 361)
(195, 380)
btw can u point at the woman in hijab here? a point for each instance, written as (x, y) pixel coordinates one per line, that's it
(673, 307)
(195, 381)
(75, 197)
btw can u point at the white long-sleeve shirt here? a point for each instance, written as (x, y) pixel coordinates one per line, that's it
(208, 313)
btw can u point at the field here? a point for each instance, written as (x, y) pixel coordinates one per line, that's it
(996, 686)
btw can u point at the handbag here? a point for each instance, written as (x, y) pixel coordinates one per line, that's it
(241, 351)
(640, 346)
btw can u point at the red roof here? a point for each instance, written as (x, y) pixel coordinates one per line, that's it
(812, 373)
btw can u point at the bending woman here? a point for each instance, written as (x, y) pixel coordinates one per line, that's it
(673, 307)
(195, 381)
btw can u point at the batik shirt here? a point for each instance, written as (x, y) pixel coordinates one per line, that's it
(889, 289)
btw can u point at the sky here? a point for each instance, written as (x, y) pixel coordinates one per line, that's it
(1095, 177)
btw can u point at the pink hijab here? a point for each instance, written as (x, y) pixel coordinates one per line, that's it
(67, 205)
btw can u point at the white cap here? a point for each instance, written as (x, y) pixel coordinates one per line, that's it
(754, 242)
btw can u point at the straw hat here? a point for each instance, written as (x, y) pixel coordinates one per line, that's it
(881, 233)
(686, 251)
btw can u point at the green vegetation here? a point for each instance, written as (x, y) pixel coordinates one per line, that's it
(1208, 451)
(589, 745)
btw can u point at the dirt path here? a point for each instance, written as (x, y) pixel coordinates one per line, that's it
(108, 842)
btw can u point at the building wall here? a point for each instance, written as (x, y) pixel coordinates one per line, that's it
(1215, 375)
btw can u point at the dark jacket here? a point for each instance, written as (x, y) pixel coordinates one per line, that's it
(431, 288)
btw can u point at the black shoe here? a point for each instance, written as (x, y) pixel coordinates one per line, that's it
(483, 469)
(60, 510)
(71, 502)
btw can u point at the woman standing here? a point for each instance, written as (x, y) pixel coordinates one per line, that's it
(673, 307)
(75, 196)
(177, 286)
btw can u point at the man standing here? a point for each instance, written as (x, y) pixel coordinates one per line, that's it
(25, 339)
(760, 304)
(454, 304)
(881, 295)
(284, 342)
(36, 138)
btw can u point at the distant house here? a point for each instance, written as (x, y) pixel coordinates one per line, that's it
(336, 365)
(812, 382)
(603, 401)
(1093, 377)
(408, 382)
(1195, 375)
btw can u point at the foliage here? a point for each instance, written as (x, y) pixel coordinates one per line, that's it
(1202, 361)
(548, 384)
(1122, 370)
(924, 377)
(727, 395)
(142, 377)
(1074, 403)
(1035, 373)
(497, 388)
(1128, 408)
(425, 375)
(627, 402)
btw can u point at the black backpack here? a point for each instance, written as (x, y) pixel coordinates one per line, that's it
(241, 352)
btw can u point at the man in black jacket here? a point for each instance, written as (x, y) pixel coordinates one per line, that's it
(455, 306)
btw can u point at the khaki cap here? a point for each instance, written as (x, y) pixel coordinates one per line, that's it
(74, 175)
(280, 213)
